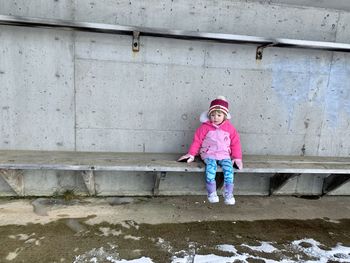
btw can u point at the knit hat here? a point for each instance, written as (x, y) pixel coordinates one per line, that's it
(220, 103)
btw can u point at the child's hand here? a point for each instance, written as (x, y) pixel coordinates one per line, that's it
(239, 163)
(188, 157)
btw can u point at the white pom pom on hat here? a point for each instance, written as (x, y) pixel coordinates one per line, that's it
(221, 98)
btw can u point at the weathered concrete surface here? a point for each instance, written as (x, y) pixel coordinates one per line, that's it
(172, 209)
(63, 90)
(104, 97)
(37, 89)
(48, 182)
(63, 9)
(335, 4)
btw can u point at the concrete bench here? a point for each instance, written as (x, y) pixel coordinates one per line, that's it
(281, 168)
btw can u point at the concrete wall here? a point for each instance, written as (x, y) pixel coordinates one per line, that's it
(63, 90)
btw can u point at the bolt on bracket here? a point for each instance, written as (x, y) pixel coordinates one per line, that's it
(136, 41)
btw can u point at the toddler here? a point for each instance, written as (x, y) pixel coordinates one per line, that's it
(218, 143)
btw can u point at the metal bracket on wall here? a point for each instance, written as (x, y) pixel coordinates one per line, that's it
(158, 177)
(333, 182)
(14, 178)
(136, 41)
(89, 180)
(279, 180)
(260, 50)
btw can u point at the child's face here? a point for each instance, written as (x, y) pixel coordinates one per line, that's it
(217, 117)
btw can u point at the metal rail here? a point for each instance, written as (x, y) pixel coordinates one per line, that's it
(135, 31)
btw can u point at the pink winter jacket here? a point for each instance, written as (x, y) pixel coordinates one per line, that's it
(216, 142)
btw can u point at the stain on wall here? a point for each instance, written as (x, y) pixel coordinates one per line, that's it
(337, 97)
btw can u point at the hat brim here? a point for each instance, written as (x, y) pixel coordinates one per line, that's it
(204, 116)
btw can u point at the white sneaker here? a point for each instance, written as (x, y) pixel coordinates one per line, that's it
(230, 200)
(213, 198)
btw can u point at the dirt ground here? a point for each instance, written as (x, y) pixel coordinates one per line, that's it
(168, 228)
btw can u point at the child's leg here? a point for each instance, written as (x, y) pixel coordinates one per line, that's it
(210, 172)
(227, 168)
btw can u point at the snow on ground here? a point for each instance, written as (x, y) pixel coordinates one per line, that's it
(308, 247)
(264, 247)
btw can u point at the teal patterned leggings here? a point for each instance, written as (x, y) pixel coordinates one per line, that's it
(211, 167)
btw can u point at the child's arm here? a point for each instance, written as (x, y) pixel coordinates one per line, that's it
(195, 146)
(236, 150)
